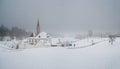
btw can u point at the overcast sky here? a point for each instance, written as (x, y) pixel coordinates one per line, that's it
(62, 15)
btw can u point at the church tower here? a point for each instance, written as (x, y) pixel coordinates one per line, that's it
(38, 28)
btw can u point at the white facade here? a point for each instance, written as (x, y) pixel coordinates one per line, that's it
(42, 39)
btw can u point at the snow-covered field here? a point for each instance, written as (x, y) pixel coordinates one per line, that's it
(102, 55)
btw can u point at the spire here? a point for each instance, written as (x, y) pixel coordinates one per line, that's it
(38, 28)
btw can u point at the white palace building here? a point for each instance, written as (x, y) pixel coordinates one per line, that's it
(43, 39)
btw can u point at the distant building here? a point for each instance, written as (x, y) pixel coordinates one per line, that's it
(42, 39)
(39, 38)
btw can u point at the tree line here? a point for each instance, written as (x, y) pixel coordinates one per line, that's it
(13, 32)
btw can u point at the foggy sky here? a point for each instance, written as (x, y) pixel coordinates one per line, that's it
(62, 15)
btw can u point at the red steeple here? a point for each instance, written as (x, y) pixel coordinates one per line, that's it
(38, 28)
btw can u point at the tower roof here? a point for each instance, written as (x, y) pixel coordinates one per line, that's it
(38, 28)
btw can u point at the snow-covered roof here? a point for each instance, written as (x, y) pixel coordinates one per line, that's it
(42, 35)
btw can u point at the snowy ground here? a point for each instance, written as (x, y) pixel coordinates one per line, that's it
(102, 55)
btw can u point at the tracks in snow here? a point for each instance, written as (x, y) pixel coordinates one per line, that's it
(86, 46)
